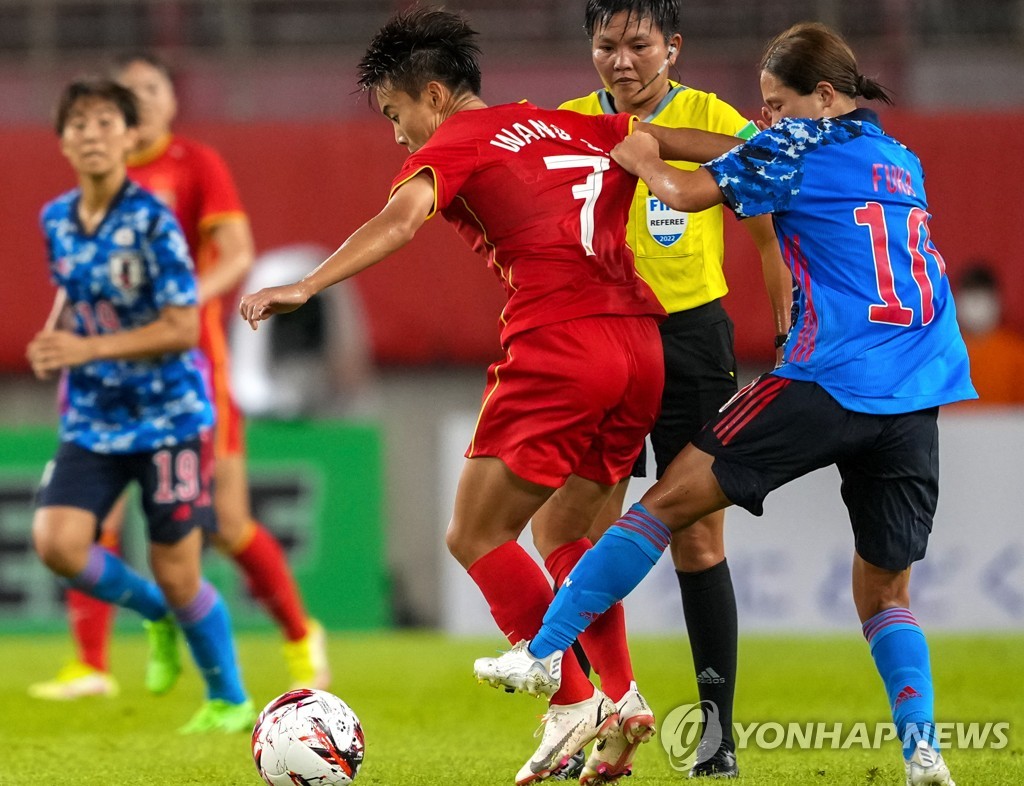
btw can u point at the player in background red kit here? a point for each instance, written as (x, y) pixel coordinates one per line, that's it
(193, 180)
(536, 193)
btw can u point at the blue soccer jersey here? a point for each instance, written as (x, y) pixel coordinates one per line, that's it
(877, 326)
(119, 278)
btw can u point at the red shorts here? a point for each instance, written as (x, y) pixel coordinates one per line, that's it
(573, 398)
(229, 428)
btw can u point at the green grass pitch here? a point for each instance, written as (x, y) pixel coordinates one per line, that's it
(427, 721)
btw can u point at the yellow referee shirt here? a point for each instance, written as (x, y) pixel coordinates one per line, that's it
(679, 254)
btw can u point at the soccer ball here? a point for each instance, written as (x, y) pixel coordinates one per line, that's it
(307, 736)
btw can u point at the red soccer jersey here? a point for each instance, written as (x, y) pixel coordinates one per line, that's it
(193, 180)
(537, 194)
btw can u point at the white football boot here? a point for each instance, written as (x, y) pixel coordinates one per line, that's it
(567, 729)
(926, 767)
(612, 757)
(519, 670)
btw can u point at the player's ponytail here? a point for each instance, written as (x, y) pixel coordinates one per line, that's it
(872, 90)
(809, 53)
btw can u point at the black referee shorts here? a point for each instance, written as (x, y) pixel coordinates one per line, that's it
(700, 376)
(776, 430)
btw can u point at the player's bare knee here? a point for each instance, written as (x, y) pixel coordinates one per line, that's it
(231, 527)
(180, 588)
(874, 597)
(459, 546)
(56, 555)
(227, 543)
(700, 546)
(554, 532)
(695, 558)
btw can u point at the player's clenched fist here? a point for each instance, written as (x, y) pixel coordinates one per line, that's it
(636, 149)
(273, 300)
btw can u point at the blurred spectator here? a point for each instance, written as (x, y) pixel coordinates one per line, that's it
(996, 351)
(314, 361)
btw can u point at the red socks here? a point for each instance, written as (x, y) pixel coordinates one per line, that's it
(90, 620)
(518, 593)
(605, 640)
(270, 581)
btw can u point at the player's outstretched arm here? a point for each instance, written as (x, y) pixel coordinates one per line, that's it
(690, 192)
(689, 144)
(375, 240)
(175, 330)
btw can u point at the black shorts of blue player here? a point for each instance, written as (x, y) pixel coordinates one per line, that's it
(175, 482)
(777, 430)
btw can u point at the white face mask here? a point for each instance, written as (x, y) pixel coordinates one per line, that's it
(977, 311)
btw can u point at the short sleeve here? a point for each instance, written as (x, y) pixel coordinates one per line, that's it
(171, 268)
(724, 119)
(451, 161)
(609, 130)
(219, 198)
(760, 176)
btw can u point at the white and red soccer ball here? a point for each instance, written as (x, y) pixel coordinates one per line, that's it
(307, 737)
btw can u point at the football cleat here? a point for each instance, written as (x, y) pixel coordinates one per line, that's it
(722, 764)
(75, 680)
(164, 665)
(307, 659)
(221, 715)
(612, 757)
(567, 729)
(573, 768)
(926, 767)
(519, 670)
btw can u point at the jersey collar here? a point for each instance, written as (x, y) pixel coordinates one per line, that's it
(110, 209)
(608, 104)
(151, 153)
(862, 115)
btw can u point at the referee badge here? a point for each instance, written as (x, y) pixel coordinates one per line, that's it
(665, 224)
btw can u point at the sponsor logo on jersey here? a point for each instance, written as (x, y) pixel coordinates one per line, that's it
(665, 224)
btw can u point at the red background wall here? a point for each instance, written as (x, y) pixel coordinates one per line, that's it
(435, 302)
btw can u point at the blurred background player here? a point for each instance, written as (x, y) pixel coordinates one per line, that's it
(681, 255)
(193, 180)
(995, 349)
(137, 408)
(862, 380)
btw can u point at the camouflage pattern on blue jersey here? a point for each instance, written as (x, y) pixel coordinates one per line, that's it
(119, 278)
(876, 330)
(763, 175)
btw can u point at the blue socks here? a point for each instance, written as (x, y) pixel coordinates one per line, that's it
(900, 651)
(606, 574)
(207, 628)
(204, 621)
(107, 577)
